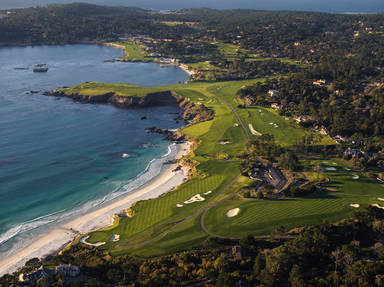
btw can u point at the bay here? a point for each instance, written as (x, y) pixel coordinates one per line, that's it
(60, 158)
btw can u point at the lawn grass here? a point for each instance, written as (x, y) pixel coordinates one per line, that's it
(160, 218)
(150, 213)
(260, 217)
(135, 52)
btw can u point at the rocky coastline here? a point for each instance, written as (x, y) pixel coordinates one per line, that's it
(190, 112)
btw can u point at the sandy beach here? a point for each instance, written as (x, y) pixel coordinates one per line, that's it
(187, 69)
(115, 45)
(97, 219)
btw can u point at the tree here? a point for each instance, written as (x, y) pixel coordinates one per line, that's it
(296, 277)
(221, 263)
(259, 264)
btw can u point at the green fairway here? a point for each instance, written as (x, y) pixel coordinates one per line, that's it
(260, 217)
(158, 226)
(135, 52)
(152, 212)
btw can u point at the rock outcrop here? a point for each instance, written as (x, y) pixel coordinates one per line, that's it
(165, 98)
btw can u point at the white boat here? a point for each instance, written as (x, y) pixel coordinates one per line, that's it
(40, 68)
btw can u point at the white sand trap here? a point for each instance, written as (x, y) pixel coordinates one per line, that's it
(334, 163)
(235, 124)
(224, 142)
(194, 198)
(355, 177)
(355, 205)
(114, 238)
(259, 111)
(270, 123)
(233, 212)
(276, 125)
(330, 168)
(84, 241)
(208, 192)
(347, 168)
(287, 119)
(380, 199)
(125, 155)
(378, 206)
(253, 131)
(179, 205)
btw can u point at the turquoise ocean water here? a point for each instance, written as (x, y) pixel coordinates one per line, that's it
(60, 158)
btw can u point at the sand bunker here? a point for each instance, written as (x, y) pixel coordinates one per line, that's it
(330, 168)
(208, 192)
(114, 238)
(224, 142)
(179, 205)
(84, 241)
(347, 169)
(194, 198)
(355, 176)
(235, 124)
(233, 212)
(378, 206)
(355, 205)
(125, 155)
(380, 199)
(253, 131)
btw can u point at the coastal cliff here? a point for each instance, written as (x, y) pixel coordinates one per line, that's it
(165, 98)
(190, 112)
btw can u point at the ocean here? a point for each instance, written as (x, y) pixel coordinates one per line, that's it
(60, 158)
(332, 6)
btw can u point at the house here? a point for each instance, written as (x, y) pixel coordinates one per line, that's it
(68, 270)
(32, 277)
(249, 100)
(320, 82)
(353, 152)
(302, 118)
(255, 174)
(276, 106)
(323, 130)
(272, 93)
(237, 252)
(340, 139)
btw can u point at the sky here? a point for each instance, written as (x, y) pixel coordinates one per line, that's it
(307, 5)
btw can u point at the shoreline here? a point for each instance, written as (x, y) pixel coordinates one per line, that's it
(182, 66)
(66, 233)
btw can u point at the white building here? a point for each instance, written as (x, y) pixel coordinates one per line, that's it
(272, 93)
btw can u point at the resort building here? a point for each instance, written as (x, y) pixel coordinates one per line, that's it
(68, 270)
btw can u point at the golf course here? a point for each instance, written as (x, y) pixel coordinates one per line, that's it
(165, 224)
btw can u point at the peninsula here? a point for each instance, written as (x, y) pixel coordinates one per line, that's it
(279, 172)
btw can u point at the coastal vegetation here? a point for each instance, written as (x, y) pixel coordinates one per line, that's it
(284, 113)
